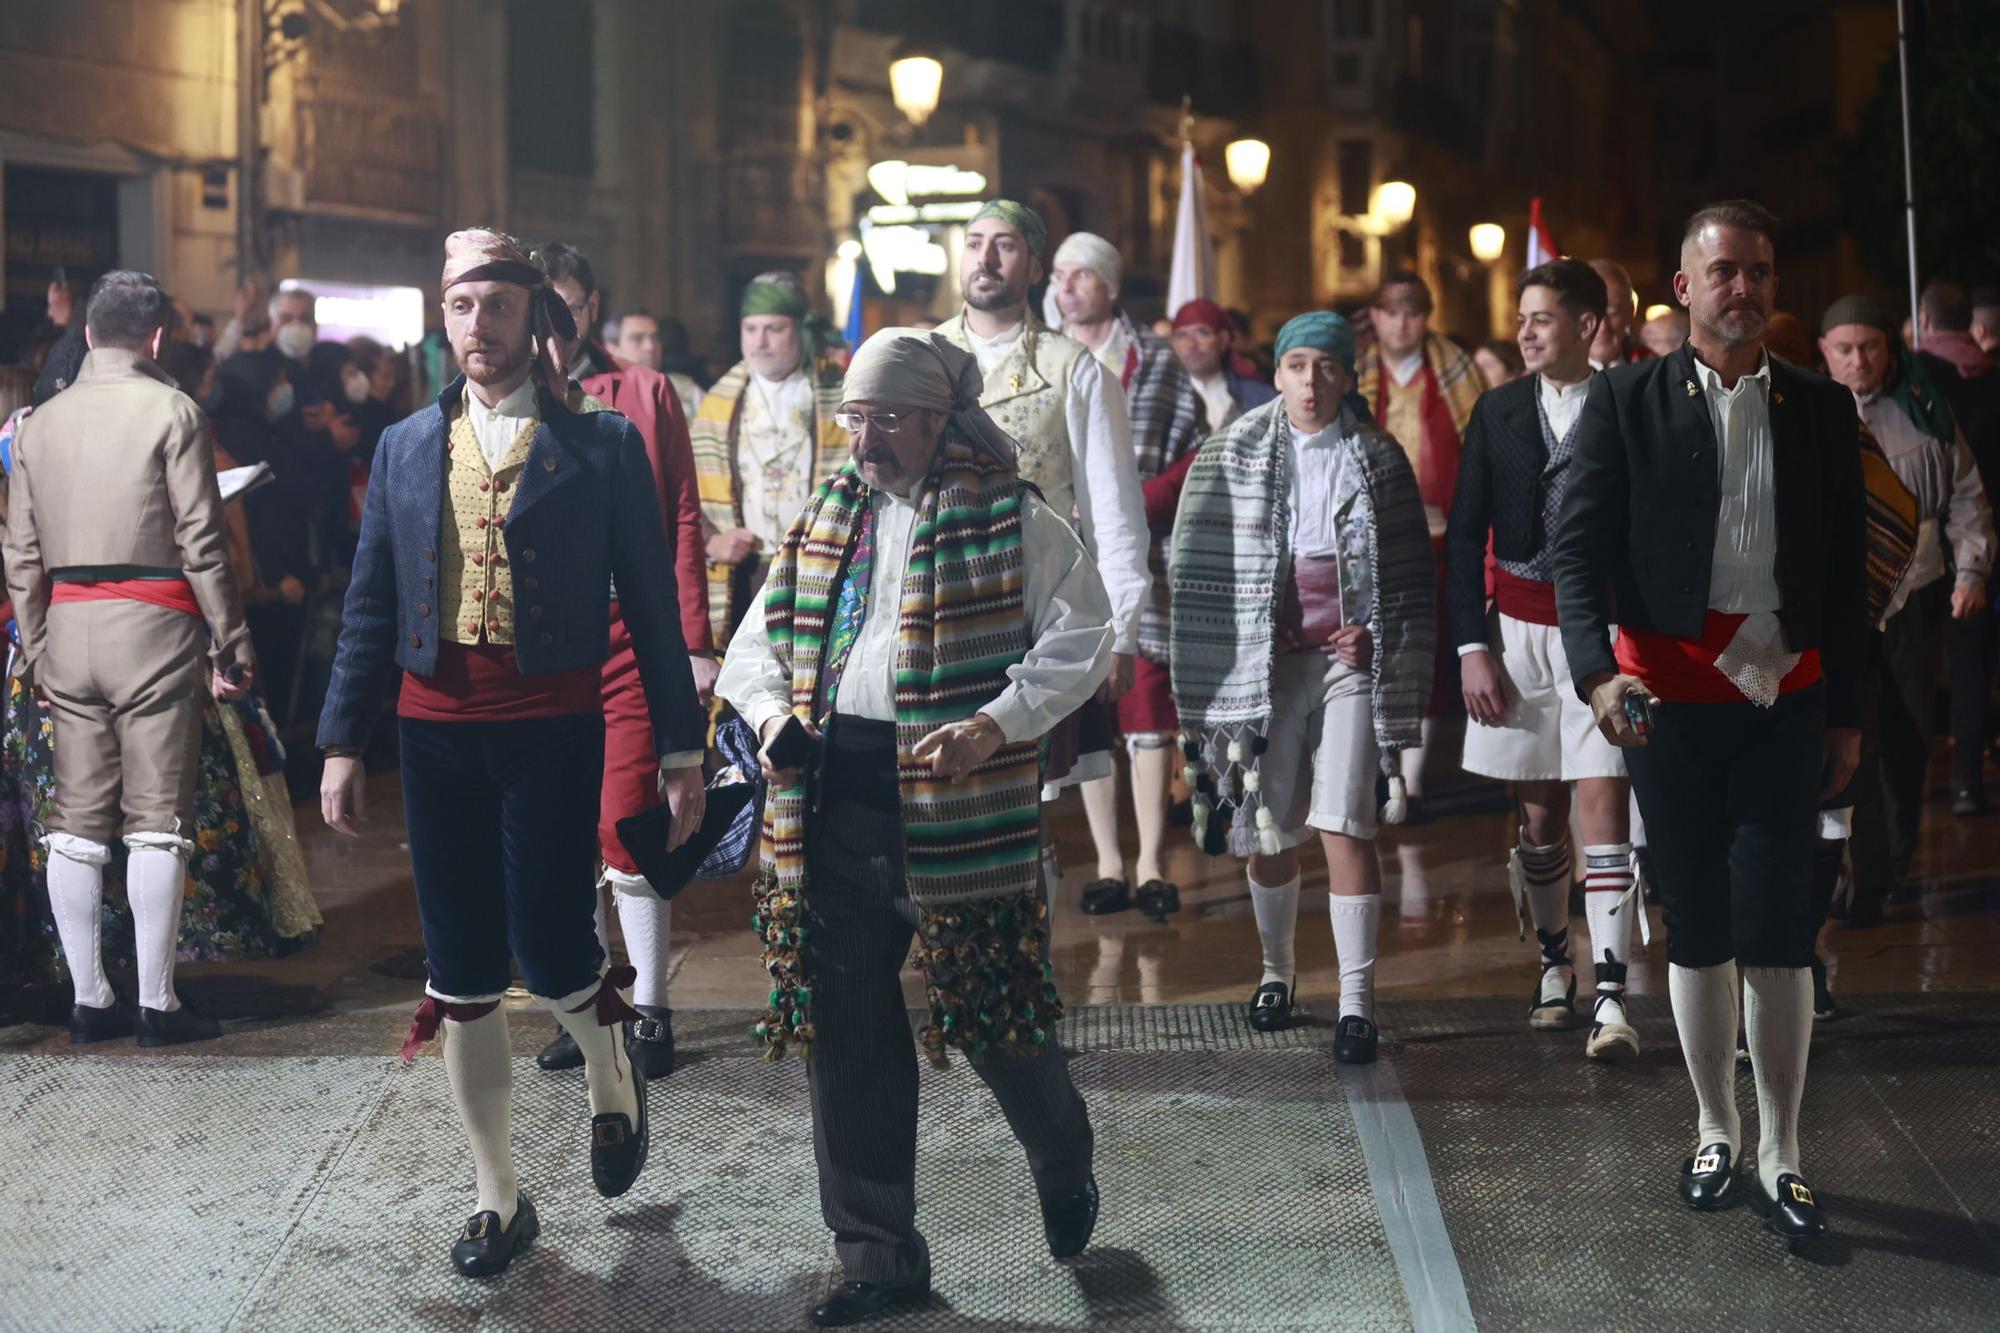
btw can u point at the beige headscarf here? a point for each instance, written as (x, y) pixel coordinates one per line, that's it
(917, 368)
(478, 255)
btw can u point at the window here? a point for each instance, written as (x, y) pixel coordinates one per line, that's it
(552, 78)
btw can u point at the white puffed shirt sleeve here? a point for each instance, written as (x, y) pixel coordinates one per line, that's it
(1110, 505)
(753, 681)
(1070, 636)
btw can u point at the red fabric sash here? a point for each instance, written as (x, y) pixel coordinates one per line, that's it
(174, 594)
(1528, 600)
(1437, 453)
(482, 682)
(1682, 671)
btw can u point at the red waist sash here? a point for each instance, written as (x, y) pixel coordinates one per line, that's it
(174, 594)
(1528, 600)
(1682, 671)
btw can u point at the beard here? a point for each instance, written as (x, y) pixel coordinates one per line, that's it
(988, 293)
(1738, 327)
(498, 362)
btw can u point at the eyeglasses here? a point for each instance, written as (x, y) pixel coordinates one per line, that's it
(886, 422)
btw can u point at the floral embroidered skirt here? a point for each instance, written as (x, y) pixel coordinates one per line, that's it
(246, 889)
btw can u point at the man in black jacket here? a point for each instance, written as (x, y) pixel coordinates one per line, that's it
(1529, 728)
(1718, 491)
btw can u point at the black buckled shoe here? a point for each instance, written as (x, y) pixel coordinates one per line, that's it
(560, 1054)
(1708, 1179)
(651, 1044)
(1795, 1214)
(174, 1027)
(1157, 898)
(1354, 1041)
(617, 1150)
(1271, 1007)
(1068, 1221)
(485, 1248)
(859, 1302)
(88, 1023)
(1102, 897)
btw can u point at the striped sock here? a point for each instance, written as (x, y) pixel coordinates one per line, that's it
(1546, 870)
(1607, 875)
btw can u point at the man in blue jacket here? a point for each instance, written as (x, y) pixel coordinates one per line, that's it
(494, 522)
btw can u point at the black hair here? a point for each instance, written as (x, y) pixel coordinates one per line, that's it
(126, 309)
(1579, 288)
(562, 261)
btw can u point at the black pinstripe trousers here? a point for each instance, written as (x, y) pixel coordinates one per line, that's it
(863, 1070)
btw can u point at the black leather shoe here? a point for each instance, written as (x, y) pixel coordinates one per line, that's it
(858, 1302)
(1102, 897)
(617, 1150)
(172, 1027)
(1354, 1040)
(88, 1024)
(483, 1248)
(562, 1053)
(1068, 1221)
(1271, 1007)
(1157, 898)
(1795, 1214)
(1708, 1179)
(651, 1044)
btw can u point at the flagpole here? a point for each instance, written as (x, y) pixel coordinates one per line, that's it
(1909, 173)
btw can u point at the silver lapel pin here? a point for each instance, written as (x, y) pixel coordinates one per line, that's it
(1692, 391)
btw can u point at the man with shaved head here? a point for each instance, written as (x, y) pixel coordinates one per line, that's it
(1615, 343)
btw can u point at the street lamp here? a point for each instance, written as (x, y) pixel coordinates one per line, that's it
(1393, 204)
(1489, 241)
(1248, 162)
(915, 82)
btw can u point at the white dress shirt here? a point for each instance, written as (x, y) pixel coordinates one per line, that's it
(1563, 402)
(1744, 577)
(1326, 485)
(496, 427)
(1215, 396)
(1110, 507)
(1069, 634)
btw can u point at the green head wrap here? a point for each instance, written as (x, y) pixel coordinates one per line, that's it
(1022, 219)
(1327, 332)
(816, 332)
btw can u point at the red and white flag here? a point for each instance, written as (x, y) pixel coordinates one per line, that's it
(1541, 245)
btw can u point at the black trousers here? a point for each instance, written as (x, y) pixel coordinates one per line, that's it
(863, 1070)
(1731, 795)
(1908, 696)
(1971, 654)
(502, 820)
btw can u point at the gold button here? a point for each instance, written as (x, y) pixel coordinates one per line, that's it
(423, 608)
(534, 583)
(416, 641)
(529, 555)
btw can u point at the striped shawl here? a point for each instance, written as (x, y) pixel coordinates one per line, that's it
(971, 847)
(1169, 421)
(713, 434)
(1227, 575)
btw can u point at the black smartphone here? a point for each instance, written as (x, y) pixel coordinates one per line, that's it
(792, 747)
(1639, 712)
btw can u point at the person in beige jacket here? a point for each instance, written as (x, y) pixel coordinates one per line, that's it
(116, 554)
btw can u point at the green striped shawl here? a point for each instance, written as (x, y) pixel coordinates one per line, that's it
(971, 847)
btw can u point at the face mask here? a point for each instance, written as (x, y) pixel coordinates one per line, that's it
(278, 402)
(296, 340)
(355, 385)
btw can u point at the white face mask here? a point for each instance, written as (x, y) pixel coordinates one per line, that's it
(355, 385)
(296, 340)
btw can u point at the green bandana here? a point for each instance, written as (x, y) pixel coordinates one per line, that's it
(816, 332)
(1022, 219)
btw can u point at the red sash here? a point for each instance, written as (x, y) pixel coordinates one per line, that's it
(1682, 671)
(174, 594)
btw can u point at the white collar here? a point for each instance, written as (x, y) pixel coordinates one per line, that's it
(1405, 368)
(519, 404)
(1563, 392)
(1331, 433)
(771, 388)
(1712, 382)
(1005, 336)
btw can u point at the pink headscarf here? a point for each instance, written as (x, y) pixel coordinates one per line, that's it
(479, 255)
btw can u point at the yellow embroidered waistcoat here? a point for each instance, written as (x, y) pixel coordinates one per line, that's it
(475, 586)
(1027, 395)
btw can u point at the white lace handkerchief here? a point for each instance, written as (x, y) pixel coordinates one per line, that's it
(1756, 660)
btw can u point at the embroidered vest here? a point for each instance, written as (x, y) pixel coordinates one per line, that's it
(475, 587)
(1027, 393)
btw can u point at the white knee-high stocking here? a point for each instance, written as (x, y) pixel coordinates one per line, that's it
(1705, 1012)
(647, 921)
(1277, 909)
(1356, 920)
(76, 892)
(481, 1069)
(606, 1070)
(1778, 1020)
(156, 883)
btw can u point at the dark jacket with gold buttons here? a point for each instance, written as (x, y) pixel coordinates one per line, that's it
(581, 513)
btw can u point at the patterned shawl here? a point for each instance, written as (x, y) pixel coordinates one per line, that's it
(1459, 385)
(972, 847)
(1227, 573)
(1169, 421)
(713, 435)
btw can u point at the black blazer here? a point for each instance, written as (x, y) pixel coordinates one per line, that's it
(584, 510)
(1641, 511)
(1499, 490)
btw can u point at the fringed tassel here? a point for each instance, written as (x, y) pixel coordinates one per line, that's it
(779, 922)
(1397, 808)
(1268, 842)
(986, 982)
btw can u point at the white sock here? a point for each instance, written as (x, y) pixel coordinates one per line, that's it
(1546, 870)
(1356, 918)
(156, 884)
(1705, 1012)
(1100, 811)
(1607, 874)
(76, 892)
(1777, 1018)
(1277, 908)
(647, 921)
(606, 1071)
(481, 1068)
